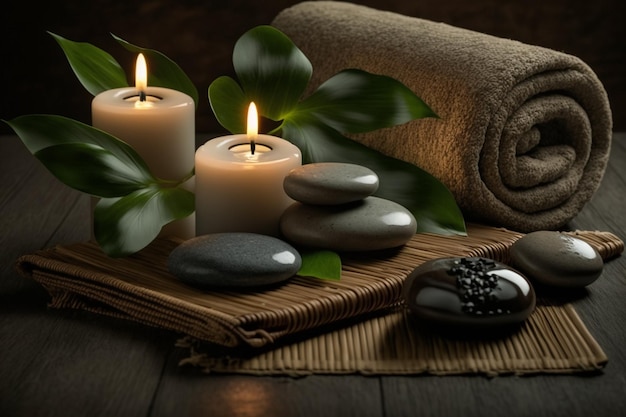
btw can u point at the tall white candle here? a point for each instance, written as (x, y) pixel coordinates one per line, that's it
(159, 123)
(238, 190)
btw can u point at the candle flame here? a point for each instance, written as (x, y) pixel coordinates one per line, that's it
(253, 125)
(141, 73)
(253, 121)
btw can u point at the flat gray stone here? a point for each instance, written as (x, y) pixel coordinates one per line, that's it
(556, 259)
(330, 183)
(224, 260)
(369, 224)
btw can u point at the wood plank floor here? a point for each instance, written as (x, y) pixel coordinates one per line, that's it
(71, 363)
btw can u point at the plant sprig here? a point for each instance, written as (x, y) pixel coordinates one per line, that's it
(134, 205)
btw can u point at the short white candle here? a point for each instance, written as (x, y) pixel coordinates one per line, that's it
(241, 191)
(160, 128)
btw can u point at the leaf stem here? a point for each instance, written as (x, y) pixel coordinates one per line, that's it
(176, 183)
(277, 129)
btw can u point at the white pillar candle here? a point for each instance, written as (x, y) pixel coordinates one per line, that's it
(160, 126)
(238, 190)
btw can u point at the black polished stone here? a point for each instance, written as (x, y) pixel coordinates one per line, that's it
(468, 292)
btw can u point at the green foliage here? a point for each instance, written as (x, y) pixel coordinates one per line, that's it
(125, 225)
(96, 69)
(322, 264)
(134, 205)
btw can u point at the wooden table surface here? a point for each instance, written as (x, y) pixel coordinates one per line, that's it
(73, 363)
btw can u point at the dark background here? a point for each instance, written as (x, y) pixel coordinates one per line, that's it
(199, 36)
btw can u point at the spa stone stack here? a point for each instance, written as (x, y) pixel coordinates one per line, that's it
(335, 210)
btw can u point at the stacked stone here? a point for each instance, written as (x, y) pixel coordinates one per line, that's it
(335, 209)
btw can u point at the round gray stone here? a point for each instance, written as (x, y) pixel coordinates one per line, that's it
(330, 183)
(224, 260)
(556, 259)
(369, 224)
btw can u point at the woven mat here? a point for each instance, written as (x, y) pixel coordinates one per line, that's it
(553, 340)
(355, 325)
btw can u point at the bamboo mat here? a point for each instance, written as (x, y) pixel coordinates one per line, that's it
(553, 340)
(355, 325)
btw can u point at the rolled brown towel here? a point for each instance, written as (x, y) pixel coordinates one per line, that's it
(524, 132)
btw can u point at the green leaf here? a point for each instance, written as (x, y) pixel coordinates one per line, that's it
(273, 72)
(355, 101)
(125, 225)
(116, 167)
(229, 104)
(92, 169)
(96, 70)
(432, 204)
(322, 264)
(162, 71)
(38, 131)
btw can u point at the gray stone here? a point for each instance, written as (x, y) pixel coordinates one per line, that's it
(330, 183)
(556, 259)
(224, 260)
(369, 224)
(472, 293)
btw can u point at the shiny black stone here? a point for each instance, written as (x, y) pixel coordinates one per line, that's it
(470, 292)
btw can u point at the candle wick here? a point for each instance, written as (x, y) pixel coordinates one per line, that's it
(142, 95)
(252, 146)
